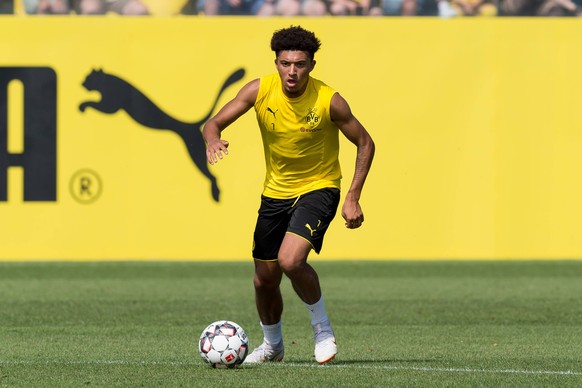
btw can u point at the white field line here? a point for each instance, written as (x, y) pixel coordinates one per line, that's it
(296, 365)
(436, 369)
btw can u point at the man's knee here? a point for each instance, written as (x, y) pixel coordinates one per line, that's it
(291, 267)
(267, 275)
(293, 254)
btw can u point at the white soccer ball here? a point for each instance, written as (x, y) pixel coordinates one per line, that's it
(223, 344)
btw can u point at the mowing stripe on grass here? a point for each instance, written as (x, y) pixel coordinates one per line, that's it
(296, 365)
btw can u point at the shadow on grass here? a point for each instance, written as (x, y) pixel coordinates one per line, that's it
(366, 362)
(382, 362)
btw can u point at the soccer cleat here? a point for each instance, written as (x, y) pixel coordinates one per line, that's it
(325, 345)
(325, 351)
(266, 353)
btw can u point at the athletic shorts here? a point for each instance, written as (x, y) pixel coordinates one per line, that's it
(307, 216)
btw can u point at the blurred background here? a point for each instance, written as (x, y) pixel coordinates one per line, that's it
(442, 8)
(476, 123)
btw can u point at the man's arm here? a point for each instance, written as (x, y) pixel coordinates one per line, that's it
(235, 108)
(354, 131)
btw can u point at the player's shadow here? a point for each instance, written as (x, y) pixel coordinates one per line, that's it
(363, 361)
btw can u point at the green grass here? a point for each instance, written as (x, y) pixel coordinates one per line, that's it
(434, 324)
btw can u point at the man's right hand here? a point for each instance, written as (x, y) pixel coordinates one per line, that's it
(215, 150)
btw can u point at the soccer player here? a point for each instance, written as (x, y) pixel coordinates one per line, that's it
(300, 119)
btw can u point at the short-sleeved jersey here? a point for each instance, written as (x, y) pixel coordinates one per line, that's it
(300, 141)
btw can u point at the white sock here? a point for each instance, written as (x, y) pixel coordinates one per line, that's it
(317, 312)
(273, 333)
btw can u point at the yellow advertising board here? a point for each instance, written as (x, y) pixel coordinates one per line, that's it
(476, 124)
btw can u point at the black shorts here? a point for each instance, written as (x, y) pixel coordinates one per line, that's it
(308, 216)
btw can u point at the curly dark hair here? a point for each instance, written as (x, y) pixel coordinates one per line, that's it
(295, 38)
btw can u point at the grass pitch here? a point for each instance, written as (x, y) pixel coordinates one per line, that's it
(434, 324)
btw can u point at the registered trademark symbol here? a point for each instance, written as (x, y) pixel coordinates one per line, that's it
(85, 186)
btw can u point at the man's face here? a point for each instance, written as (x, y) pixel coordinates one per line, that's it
(294, 68)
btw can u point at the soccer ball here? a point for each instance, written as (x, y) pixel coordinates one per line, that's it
(223, 344)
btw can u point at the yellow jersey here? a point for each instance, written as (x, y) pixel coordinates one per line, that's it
(300, 142)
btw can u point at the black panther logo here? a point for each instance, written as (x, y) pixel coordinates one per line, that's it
(118, 94)
(274, 112)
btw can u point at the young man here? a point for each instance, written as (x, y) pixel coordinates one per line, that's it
(300, 119)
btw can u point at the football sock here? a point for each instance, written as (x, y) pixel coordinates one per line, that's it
(273, 333)
(317, 312)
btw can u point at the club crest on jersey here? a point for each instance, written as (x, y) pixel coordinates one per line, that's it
(312, 118)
